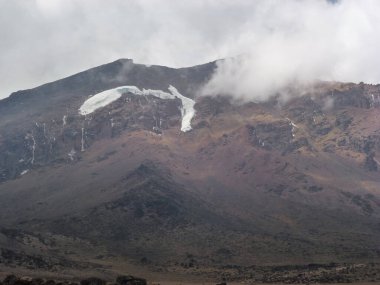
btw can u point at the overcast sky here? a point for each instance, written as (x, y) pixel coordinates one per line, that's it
(279, 41)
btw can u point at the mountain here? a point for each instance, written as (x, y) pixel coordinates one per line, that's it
(124, 167)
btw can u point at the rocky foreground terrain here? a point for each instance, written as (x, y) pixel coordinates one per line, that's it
(120, 280)
(296, 274)
(251, 189)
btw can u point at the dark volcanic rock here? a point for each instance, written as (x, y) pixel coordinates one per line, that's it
(10, 280)
(130, 280)
(274, 135)
(93, 281)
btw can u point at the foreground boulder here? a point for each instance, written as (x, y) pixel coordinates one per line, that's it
(93, 281)
(10, 280)
(130, 280)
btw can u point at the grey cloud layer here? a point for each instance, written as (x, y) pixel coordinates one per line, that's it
(280, 41)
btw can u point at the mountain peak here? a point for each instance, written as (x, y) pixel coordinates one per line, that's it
(124, 60)
(294, 181)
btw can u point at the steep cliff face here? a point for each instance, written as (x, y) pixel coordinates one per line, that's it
(291, 181)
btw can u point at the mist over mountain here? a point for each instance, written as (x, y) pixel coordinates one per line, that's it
(281, 41)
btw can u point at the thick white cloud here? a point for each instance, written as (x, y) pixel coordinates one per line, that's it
(299, 41)
(278, 41)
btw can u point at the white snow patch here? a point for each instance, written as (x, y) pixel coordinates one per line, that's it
(82, 140)
(72, 154)
(24, 172)
(30, 136)
(104, 98)
(187, 110)
(99, 100)
(293, 125)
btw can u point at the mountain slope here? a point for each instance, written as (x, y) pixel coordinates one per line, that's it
(277, 182)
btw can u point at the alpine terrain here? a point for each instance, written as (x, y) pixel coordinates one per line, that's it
(125, 167)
